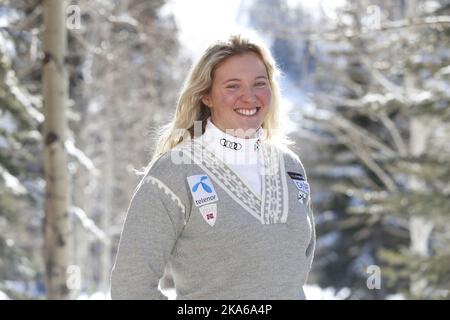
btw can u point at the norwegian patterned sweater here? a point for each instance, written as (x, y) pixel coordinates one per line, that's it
(194, 215)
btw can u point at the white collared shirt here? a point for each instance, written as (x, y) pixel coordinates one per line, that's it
(241, 155)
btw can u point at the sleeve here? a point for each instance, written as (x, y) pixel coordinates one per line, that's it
(153, 223)
(312, 243)
(310, 249)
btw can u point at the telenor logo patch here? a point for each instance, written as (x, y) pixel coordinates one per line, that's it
(202, 189)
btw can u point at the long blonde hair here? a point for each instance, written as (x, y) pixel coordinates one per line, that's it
(198, 83)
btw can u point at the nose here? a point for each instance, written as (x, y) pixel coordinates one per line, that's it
(248, 95)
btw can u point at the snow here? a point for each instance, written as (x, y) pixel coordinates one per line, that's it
(124, 18)
(430, 6)
(325, 216)
(444, 71)
(371, 98)
(7, 121)
(89, 224)
(316, 8)
(4, 296)
(6, 45)
(314, 292)
(328, 240)
(79, 155)
(26, 100)
(22, 288)
(99, 295)
(36, 189)
(4, 143)
(12, 182)
(420, 97)
(170, 294)
(396, 296)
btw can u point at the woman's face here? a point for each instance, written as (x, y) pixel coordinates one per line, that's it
(240, 94)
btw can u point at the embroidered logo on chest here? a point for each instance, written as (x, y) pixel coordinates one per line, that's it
(202, 190)
(301, 184)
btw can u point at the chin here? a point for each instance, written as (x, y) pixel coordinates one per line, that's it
(252, 124)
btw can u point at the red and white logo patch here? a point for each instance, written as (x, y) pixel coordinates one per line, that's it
(209, 213)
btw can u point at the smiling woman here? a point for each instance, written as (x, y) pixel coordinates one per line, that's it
(237, 74)
(240, 94)
(234, 222)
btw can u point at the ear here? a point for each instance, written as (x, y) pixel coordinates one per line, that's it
(206, 101)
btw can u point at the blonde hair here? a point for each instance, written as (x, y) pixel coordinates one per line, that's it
(198, 83)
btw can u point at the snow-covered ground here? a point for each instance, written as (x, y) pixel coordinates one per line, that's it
(4, 296)
(95, 296)
(312, 292)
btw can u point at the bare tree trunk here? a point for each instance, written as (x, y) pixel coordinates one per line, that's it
(56, 224)
(420, 227)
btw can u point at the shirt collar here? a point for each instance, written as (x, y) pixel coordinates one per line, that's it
(231, 149)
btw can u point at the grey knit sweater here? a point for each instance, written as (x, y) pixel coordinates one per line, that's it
(193, 215)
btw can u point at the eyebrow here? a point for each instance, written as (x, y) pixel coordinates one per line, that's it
(235, 79)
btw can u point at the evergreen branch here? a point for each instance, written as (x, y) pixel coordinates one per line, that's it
(365, 158)
(337, 120)
(334, 35)
(395, 134)
(396, 90)
(365, 136)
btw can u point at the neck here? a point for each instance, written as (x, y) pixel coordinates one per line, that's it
(239, 133)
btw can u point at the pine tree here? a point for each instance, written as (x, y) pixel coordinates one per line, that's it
(390, 114)
(21, 170)
(375, 144)
(128, 89)
(120, 88)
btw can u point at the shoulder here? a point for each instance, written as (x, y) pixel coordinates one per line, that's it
(291, 159)
(170, 163)
(161, 166)
(286, 152)
(165, 175)
(170, 170)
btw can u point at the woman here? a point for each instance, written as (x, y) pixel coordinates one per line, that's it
(224, 207)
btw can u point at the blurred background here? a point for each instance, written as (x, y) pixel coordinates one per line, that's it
(366, 87)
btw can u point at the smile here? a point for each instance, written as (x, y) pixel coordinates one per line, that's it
(247, 112)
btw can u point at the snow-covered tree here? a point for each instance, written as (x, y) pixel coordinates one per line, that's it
(128, 88)
(121, 85)
(375, 140)
(21, 168)
(389, 115)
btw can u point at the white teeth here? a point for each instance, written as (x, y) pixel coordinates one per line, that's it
(247, 112)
